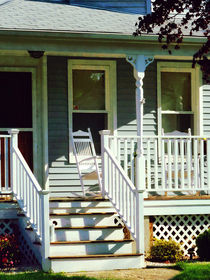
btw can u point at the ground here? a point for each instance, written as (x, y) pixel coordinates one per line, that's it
(135, 274)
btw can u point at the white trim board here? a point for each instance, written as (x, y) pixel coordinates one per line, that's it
(109, 66)
(196, 101)
(176, 207)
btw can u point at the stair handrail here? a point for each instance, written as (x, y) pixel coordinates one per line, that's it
(124, 196)
(32, 199)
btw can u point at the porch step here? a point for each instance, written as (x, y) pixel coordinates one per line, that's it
(83, 210)
(89, 235)
(95, 262)
(69, 203)
(77, 248)
(84, 219)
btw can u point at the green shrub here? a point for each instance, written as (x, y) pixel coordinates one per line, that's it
(203, 245)
(165, 250)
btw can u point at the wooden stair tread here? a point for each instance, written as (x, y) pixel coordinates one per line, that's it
(90, 227)
(178, 197)
(72, 199)
(76, 207)
(6, 200)
(96, 256)
(89, 241)
(75, 214)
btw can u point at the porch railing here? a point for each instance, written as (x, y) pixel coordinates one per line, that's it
(125, 197)
(5, 183)
(172, 163)
(33, 201)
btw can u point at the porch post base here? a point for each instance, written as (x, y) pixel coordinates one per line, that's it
(46, 265)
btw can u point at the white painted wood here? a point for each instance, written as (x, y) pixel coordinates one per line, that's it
(32, 200)
(177, 164)
(85, 155)
(108, 247)
(123, 194)
(89, 234)
(196, 98)
(81, 204)
(45, 236)
(82, 210)
(84, 220)
(109, 66)
(4, 162)
(177, 207)
(96, 264)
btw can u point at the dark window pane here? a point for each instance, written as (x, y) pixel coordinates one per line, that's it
(94, 121)
(179, 122)
(88, 90)
(16, 100)
(176, 91)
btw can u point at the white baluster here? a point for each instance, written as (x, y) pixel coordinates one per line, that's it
(13, 167)
(201, 164)
(182, 157)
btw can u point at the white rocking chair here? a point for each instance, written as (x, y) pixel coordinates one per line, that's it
(85, 155)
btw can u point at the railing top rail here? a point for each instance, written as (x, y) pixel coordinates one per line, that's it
(161, 137)
(5, 136)
(125, 177)
(28, 170)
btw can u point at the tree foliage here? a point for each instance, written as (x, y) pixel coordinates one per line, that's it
(171, 20)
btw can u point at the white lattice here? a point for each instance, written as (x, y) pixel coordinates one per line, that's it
(183, 228)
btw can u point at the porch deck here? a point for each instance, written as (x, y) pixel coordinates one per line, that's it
(135, 187)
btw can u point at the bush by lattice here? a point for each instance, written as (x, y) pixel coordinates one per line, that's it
(203, 244)
(165, 250)
(9, 251)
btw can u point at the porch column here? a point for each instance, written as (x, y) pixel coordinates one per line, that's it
(139, 63)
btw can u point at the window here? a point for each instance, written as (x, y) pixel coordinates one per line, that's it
(178, 99)
(92, 97)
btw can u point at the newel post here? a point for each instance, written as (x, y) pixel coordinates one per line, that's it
(13, 167)
(140, 225)
(104, 165)
(45, 230)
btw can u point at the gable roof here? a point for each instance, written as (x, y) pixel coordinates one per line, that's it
(49, 16)
(52, 16)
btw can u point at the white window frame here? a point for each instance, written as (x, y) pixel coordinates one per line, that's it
(181, 67)
(109, 66)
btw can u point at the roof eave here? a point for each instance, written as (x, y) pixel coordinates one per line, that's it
(62, 34)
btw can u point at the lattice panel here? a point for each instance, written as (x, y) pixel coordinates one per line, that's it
(183, 228)
(7, 226)
(29, 257)
(10, 227)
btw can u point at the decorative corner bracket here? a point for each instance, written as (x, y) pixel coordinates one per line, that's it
(139, 62)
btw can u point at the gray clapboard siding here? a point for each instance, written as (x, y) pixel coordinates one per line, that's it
(57, 108)
(206, 109)
(126, 106)
(126, 6)
(61, 173)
